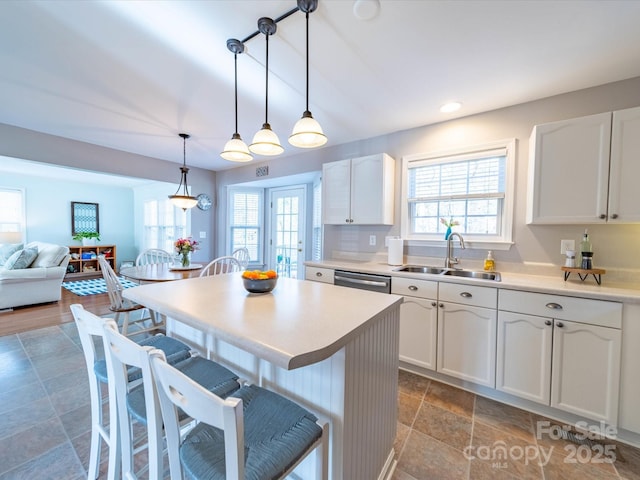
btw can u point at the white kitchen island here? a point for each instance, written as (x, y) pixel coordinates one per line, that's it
(332, 349)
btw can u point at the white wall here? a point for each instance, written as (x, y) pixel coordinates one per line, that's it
(48, 211)
(615, 246)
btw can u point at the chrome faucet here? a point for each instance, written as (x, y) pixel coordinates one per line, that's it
(450, 260)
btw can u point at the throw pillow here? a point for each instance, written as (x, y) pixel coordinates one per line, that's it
(50, 256)
(21, 259)
(7, 250)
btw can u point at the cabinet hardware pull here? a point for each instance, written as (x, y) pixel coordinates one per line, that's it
(318, 274)
(466, 295)
(554, 306)
(413, 288)
(346, 220)
(615, 215)
(433, 304)
(441, 305)
(603, 216)
(547, 322)
(559, 324)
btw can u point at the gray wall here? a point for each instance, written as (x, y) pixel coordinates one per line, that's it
(615, 246)
(30, 145)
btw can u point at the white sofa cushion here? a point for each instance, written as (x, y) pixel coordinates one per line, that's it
(21, 259)
(7, 250)
(49, 255)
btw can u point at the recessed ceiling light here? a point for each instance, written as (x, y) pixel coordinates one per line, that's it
(366, 9)
(450, 107)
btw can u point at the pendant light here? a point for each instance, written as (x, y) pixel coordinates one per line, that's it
(307, 132)
(235, 150)
(183, 200)
(265, 141)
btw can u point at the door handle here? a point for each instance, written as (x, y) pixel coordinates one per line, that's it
(466, 295)
(554, 306)
(547, 322)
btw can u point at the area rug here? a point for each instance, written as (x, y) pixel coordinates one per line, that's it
(93, 286)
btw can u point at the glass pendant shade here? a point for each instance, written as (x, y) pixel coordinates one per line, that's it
(182, 199)
(266, 142)
(307, 133)
(235, 150)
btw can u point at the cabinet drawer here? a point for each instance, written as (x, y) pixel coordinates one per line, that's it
(468, 295)
(414, 288)
(583, 310)
(317, 274)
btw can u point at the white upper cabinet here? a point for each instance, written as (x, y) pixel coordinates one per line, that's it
(583, 170)
(358, 191)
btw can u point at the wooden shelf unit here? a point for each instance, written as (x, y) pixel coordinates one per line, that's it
(89, 267)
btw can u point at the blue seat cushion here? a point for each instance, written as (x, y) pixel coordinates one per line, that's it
(277, 432)
(174, 350)
(211, 375)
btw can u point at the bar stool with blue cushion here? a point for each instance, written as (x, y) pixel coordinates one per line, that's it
(253, 434)
(140, 403)
(91, 328)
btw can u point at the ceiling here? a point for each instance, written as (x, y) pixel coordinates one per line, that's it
(131, 75)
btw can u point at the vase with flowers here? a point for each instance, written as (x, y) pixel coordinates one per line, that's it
(184, 247)
(449, 223)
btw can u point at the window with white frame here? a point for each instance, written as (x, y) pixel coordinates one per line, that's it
(12, 212)
(246, 221)
(163, 224)
(471, 188)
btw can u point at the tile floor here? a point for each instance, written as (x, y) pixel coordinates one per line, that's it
(45, 418)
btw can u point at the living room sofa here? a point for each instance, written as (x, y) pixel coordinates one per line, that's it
(40, 282)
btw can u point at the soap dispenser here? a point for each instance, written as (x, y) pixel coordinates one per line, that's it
(489, 262)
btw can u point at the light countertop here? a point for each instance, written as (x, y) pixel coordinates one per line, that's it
(299, 323)
(629, 293)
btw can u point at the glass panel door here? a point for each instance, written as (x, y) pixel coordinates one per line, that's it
(287, 231)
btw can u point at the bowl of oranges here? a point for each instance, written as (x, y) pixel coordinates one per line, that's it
(257, 281)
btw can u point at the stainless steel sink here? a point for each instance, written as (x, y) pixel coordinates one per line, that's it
(495, 276)
(452, 272)
(420, 269)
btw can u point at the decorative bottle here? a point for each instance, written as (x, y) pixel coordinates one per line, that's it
(489, 262)
(586, 251)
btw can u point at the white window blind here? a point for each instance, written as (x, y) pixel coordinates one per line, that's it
(470, 188)
(245, 218)
(12, 210)
(163, 224)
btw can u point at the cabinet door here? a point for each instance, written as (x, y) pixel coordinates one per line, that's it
(586, 370)
(336, 192)
(569, 171)
(372, 180)
(418, 327)
(523, 360)
(624, 194)
(467, 343)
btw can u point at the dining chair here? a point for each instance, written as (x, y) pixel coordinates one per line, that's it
(91, 333)
(122, 306)
(242, 255)
(139, 403)
(221, 265)
(255, 433)
(153, 256)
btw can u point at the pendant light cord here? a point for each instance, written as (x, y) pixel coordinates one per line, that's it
(235, 66)
(266, 96)
(307, 17)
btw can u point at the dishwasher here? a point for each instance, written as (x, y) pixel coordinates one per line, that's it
(363, 281)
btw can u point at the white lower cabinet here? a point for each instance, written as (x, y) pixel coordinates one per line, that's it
(569, 359)
(319, 274)
(418, 321)
(467, 333)
(524, 356)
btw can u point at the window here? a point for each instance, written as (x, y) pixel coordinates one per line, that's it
(12, 212)
(472, 187)
(245, 221)
(163, 224)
